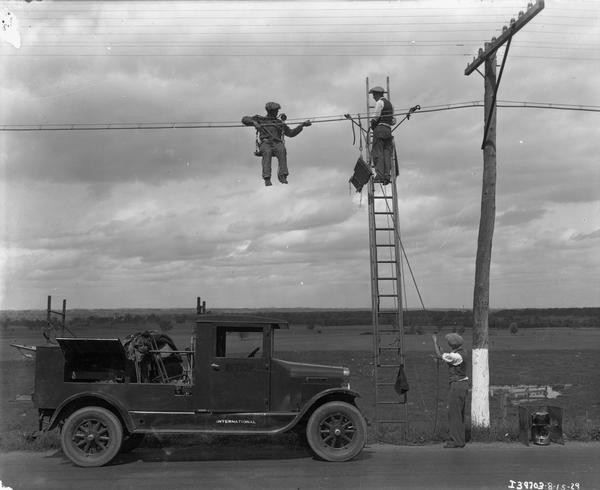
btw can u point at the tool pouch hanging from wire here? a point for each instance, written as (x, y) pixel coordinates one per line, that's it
(362, 172)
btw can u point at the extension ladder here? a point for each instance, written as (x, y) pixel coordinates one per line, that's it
(386, 297)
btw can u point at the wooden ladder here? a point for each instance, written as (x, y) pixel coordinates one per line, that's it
(386, 297)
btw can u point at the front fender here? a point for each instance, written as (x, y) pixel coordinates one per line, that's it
(331, 394)
(92, 398)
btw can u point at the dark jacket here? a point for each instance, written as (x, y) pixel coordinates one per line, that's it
(272, 129)
(458, 372)
(387, 113)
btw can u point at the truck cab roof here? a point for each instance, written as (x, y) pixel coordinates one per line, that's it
(232, 320)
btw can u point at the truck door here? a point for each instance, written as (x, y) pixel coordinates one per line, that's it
(239, 371)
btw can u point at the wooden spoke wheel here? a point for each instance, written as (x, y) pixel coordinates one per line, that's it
(91, 436)
(336, 431)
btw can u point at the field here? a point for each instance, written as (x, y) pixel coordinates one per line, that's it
(566, 359)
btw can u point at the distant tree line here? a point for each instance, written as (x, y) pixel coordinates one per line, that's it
(164, 321)
(500, 319)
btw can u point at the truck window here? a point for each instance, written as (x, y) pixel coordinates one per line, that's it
(237, 343)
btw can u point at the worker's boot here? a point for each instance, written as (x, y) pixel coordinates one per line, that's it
(268, 182)
(283, 179)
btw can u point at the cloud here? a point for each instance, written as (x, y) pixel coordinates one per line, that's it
(517, 217)
(152, 217)
(587, 236)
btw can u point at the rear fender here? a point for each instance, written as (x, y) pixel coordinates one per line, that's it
(88, 399)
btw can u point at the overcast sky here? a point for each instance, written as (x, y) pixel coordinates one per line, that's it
(156, 217)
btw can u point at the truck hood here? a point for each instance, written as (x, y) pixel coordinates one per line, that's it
(311, 371)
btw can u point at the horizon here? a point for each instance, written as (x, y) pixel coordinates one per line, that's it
(74, 310)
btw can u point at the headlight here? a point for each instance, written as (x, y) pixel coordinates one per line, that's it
(346, 374)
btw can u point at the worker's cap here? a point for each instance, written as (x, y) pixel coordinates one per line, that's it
(454, 340)
(377, 90)
(272, 106)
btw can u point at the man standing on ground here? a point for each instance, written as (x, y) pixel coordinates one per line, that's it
(456, 361)
(271, 130)
(383, 142)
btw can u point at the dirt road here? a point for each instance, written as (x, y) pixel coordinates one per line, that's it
(480, 466)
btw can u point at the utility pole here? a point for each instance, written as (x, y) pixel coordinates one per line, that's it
(480, 406)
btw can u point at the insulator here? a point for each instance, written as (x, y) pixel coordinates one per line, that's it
(512, 21)
(521, 13)
(529, 6)
(480, 52)
(504, 29)
(493, 39)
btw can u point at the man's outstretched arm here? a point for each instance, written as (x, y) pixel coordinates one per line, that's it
(290, 133)
(250, 121)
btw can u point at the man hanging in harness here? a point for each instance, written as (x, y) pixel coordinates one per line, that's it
(271, 130)
(383, 142)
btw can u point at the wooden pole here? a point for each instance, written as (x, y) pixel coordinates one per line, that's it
(480, 406)
(64, 316)
(49, 309)
(480, 410)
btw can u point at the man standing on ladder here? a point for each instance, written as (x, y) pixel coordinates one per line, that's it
(271, 130)
(383, 142)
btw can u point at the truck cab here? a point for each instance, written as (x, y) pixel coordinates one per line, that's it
(106, 394)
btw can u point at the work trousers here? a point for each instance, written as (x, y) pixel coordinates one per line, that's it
(271, 149)
(457, 397)
(381, 151)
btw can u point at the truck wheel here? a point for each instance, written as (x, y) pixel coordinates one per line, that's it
(130, 442)
(91, 436)
(336, 431)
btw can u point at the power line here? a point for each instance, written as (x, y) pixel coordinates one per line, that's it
(287, 55)
(153, 24)
(413, 44)
(347, 8)
(314, 119)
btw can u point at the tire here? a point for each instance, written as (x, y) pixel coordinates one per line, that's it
(91, 436)
(336, 431)
(130, 442)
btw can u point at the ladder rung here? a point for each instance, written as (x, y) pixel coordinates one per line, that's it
(385, 245)
(383, 212)
(383, 197)
(388, 295)
(387, 278)
(386, 261)
(385, 229)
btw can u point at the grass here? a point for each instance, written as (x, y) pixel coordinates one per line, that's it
(577, 371)
(573, 371)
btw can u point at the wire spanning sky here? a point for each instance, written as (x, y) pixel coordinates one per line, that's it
(132, 218)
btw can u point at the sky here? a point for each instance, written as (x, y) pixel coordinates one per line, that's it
(129, 218)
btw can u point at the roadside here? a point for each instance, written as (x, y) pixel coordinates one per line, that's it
(380, 466)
